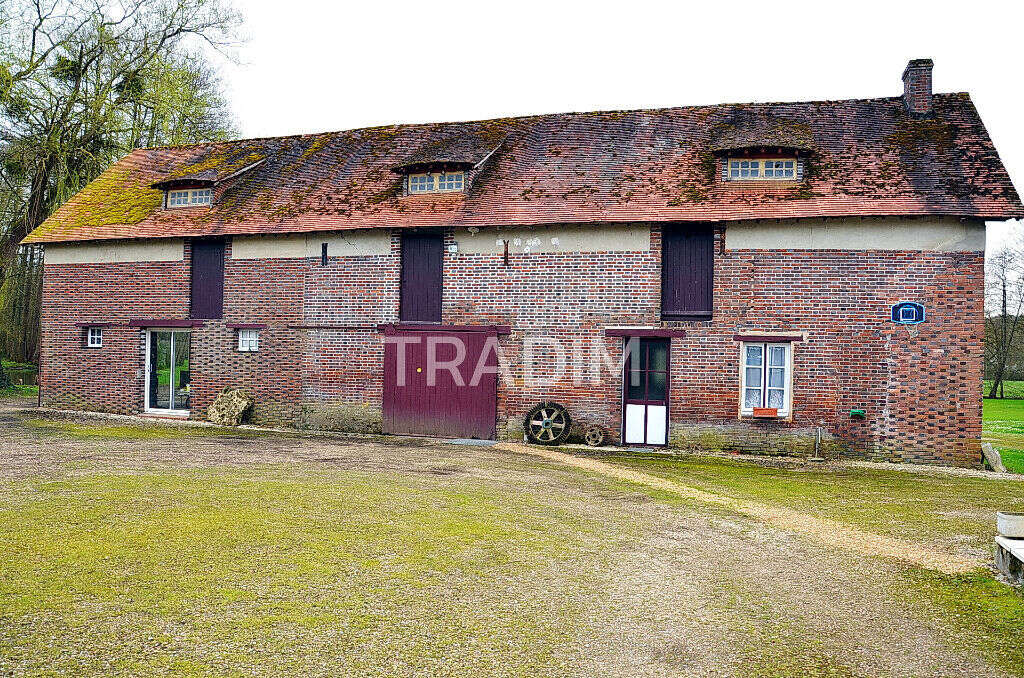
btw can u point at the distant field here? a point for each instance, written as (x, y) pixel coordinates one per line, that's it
(1004, 428)
(1011, 389)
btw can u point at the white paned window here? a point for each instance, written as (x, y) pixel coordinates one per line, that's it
(766, 377)
(437, 182)
(94, 337)
(193, 197)
(248, 340)
(450, 181)
(771, 169)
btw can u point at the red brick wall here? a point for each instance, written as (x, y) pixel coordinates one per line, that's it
(107, 379)
(256, 291)
(320, 358)
(920, 388)
(344, 365)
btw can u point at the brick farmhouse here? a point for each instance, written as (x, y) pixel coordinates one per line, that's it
(756, 277)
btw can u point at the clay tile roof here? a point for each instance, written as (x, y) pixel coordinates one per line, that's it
(216, 163)
(750, 129)
(458, 151)
(865, 157)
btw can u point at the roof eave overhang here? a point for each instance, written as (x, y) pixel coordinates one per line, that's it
(433, 166)
(800, 151)
(168, 184)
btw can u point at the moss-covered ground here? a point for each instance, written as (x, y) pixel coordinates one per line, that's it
(132, 553)
(951, 512)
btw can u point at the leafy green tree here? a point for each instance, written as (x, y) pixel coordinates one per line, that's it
(82, 83)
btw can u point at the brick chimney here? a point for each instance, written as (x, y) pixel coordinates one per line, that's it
(917, 87)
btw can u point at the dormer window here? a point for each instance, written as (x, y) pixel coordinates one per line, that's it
(763, 169)
(437, 182)
(193, 197)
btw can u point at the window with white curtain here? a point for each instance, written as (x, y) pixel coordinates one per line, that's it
(766, 377)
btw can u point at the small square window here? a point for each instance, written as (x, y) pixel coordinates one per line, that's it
(94, 337)
(248, 340)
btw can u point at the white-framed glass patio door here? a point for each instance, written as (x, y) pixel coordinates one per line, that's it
(168, 384)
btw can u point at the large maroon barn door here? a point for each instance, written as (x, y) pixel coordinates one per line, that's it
(452, 406)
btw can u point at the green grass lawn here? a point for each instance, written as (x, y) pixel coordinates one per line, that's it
(19, 390)
(938, 510)
(135, 551)
(1004, 428)
(198, 573)
(99, 431)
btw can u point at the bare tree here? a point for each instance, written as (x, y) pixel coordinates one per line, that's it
(1004, 289)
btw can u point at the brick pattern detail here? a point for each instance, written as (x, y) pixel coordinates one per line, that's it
(917, 87)
(920, 387)
(267, 291)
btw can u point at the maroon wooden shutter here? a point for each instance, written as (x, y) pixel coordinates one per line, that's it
(420, 295)
(687, 272)
(207, 279)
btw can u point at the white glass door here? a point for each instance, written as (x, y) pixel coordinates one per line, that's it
(167, 371)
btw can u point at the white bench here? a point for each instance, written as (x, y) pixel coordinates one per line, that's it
(1010, 558)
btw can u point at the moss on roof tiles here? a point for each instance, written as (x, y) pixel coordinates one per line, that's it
(913, 134)
(219, 162)
(316, 145)
(115, 197)
(870, 158)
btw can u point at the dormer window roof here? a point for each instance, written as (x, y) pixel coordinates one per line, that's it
(192, 184)
(446, 165)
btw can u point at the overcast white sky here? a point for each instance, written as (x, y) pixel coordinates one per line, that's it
(317, 66)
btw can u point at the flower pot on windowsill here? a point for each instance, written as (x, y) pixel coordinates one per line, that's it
(766, 413)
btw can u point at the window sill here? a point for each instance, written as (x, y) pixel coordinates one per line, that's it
(746, 183)
(749, 416)
(673, 317)
(653, 332)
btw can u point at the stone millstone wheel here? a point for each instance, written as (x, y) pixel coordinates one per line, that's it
(594, 435)
(547, 424)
